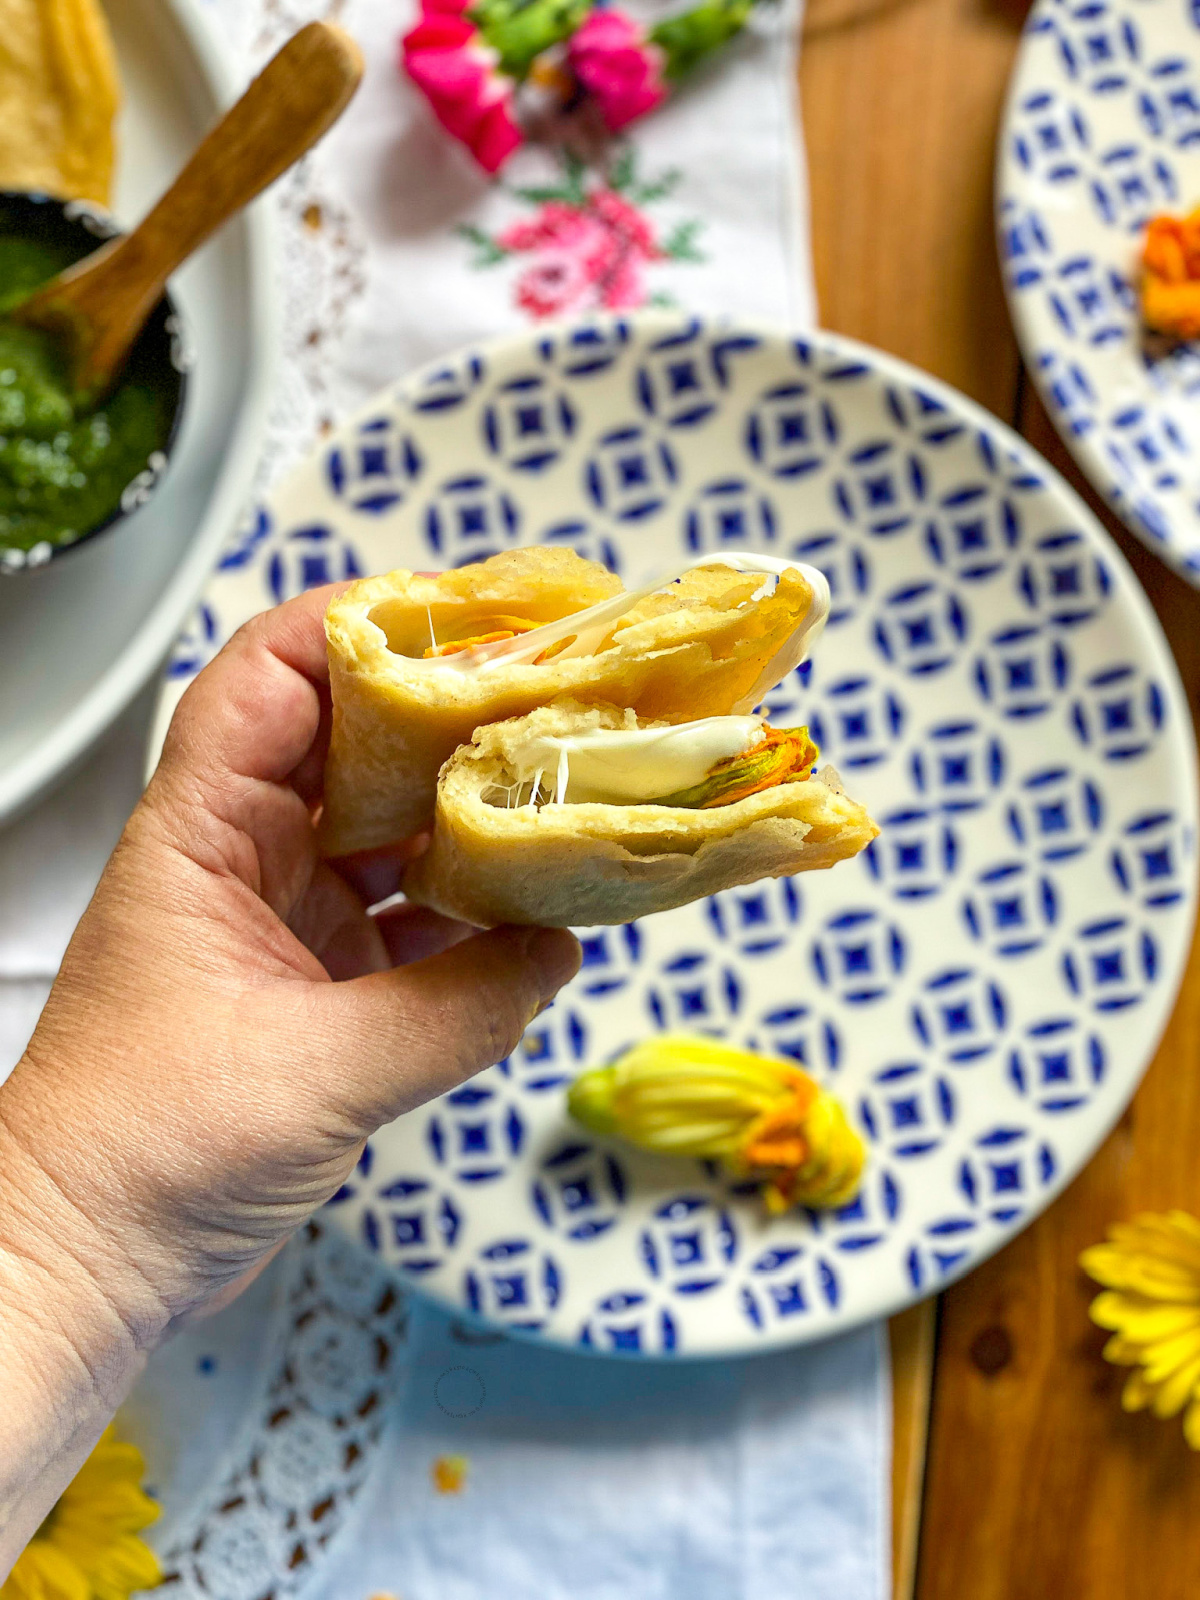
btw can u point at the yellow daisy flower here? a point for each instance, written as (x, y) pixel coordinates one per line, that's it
(87, 1548)
(1150, 1271)
(691, 1096)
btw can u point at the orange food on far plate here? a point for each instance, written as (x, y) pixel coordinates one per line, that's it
(1170, 285)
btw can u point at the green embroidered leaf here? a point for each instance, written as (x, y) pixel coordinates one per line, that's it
(662, 300)
(541, 194)
(658, 189)
(624, 171)
(489, 252)
(576, 172)
(680, 244)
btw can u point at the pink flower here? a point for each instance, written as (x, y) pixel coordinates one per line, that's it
(556, 281)
(618, 66)
(626, 221)
(446, 59)
(624, 286)
(557, 223)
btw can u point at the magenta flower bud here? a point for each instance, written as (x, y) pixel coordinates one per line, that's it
(447, 59)
(620, 68)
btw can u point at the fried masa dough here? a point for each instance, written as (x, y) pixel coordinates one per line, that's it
(589, 864)
(59, 93)
(693, 648)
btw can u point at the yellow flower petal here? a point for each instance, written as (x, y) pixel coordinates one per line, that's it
(1174, 1392)
(1137, 1394)
(1141, 1319)
(1164, 1356)
(88, 1548)
(1123, 1352)
(1191, 1425)
(47, 1575)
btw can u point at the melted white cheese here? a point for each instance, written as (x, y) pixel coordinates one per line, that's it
(622, 766)
(588, 628)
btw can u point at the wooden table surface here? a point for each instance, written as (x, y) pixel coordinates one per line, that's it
(1017, 1476)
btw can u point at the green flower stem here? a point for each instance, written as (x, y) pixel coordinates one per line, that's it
(519, 30)
(687, 39)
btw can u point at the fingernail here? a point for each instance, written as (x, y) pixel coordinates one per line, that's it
(556, 954)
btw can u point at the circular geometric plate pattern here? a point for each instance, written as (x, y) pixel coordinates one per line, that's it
(1101, 131)
(982, 988)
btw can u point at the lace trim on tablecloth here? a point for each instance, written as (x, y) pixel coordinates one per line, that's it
(291, 1477)
(323, 265)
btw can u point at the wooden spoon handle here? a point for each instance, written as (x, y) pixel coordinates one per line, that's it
(299, 94)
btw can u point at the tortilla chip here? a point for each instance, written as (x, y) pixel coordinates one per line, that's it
(59, 93)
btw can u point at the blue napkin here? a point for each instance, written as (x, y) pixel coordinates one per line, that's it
(329, 1437)
(591, 1479)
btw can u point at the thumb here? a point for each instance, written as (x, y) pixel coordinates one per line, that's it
(403, 1036)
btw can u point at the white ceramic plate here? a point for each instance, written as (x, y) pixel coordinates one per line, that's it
(1101, 131)
(982, 989)
(80, 637)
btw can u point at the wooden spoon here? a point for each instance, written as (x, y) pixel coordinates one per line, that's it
(96, 308)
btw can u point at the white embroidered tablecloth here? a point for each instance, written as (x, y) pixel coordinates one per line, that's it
(310, 1440)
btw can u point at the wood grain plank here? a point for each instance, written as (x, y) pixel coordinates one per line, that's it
(900, 100)
(1038, 1486)
(900, 104)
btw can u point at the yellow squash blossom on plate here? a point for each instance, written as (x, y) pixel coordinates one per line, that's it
(88, 1547)
(1150, 1270)
(761, 1118)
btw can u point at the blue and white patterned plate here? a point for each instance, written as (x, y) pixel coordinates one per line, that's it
(983, 988)
(1101, 131)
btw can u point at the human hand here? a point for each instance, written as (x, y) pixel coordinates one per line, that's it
(229, 1026)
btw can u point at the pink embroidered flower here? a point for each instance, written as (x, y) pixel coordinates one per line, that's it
(557, 223)
(555, 282)
(618, 66)
(455, 71)
(585, 255)
(626, 221)
(624, 287)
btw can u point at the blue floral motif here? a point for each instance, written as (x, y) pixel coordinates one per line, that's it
(786, 1283)
(689, 1244)
(1110, 964)
(1058, 1064)
(527, 424)
(962, 1014)
(469, 519)
(579, 1191)
(417, 1223)
(908, 1110)
(630, 1322)
(1152, 858)
(374, 471)
(788, 433)
(758, 918)
(728, 514)
(514, 1284)
(307, 557)
(1012, 908)
(630, 474)
(858, 956)
(1120, 713)
(1055, 813)
(915, 855)
(1005, 1170)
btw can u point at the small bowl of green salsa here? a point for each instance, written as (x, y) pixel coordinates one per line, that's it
(67, 471)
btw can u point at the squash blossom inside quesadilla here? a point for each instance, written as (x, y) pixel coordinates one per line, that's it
(761, 1118)
(684, 766)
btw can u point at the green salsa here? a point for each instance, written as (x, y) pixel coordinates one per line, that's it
(63, 469)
